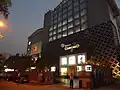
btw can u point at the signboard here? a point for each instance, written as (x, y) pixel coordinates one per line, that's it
(36, 48)
(70, 46)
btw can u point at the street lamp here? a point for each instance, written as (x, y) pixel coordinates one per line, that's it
(2, 24)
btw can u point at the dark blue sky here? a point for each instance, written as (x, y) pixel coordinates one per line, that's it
(26, 16)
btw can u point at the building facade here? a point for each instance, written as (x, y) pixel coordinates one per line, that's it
(79, 30)
(90, 24)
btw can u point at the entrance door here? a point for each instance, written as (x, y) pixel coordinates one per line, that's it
(71, 69)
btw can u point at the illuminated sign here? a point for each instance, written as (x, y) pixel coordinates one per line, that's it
(70, 46)
(36, 48)
(53, 69)
(88, 68)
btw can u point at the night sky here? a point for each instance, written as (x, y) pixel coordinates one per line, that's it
(25, 17)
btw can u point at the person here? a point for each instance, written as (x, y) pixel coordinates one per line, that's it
(71, 80)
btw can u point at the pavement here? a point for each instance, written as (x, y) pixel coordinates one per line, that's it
(13, 86)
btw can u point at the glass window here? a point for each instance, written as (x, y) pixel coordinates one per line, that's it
(55, 26)
(59, 24)
(70, 32)
(84, 26)
(69, 7)
(70, 25)
(65, 34)
(77, 22)
(76, 15)
(50, 34)
(64, 16)
(59, 30)
(60, 13)
(83, 19)
(82, 6)
(82, 1)
(77, 29)
(59, 36)
(54, 37)
(64, 27)
(70, 13)
(70, 19)
(63, 61)
(64, 22)
(63, 71)
(83, 12)
(50, 39)
(64, 10)
(76, 9)
(76, 4)
(81, 59)
(54, 32)
(55, 21)
(69, 2)
(72, 60)
(51, 28)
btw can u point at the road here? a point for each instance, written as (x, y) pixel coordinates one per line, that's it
(13, 86)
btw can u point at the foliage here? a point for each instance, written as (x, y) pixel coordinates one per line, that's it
(4, 5)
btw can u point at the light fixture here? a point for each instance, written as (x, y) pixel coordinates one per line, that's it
(29, 43)
(53, 69)
(88, 68)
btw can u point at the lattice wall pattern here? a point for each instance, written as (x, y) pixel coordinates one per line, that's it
(103, 38)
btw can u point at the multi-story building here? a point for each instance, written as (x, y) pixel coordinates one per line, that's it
(35, 42)
(83, 28)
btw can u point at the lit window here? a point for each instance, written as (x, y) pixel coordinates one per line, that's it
(63, 71)
(88, 68)
(59, 24)
(51, 28)
(77, 22)
(59, 36)
(64, 61)
(54, 32)
(79, 68)
(72, 60)
(64, 27)
(29, 43)
(76, 16)
(50, 39)
(59, 30)
(70, 25)
(65, 34)
(83, 12)
(54, 37)
(70, 32)
(50, 34)
(81, 59)
(77, 29)
(84, 26)
(55, 26)
(70, 19)
(83, 19)
(64, 22)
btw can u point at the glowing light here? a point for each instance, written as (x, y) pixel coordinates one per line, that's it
(53, 69)
(1, 35)
(9, 70)
(88, 68)
(79, 68)
(33, 67)
(2, 24)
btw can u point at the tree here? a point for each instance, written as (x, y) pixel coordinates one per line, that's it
(4, 5)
